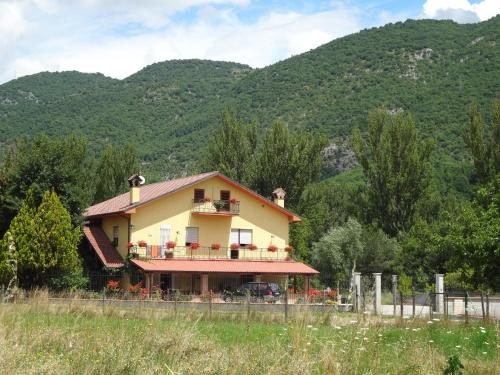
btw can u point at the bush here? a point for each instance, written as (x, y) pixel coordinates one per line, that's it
(69, 281)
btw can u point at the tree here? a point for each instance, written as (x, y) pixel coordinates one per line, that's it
(396, 169)
(485, 154)
(231, 149)
(62, 165)
(288, 161)
(116, 164)
(336, 253)
(46, 242)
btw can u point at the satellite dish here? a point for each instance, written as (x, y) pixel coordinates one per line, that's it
(142, 180)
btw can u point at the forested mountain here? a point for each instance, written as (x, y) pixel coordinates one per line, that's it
(434, 69)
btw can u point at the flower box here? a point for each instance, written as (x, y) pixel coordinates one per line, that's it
(215, 246)
(235, 246)
(142, 244)
(272, 248)
(252, 247)
(289, 249)
(194, 245)
(171, 245)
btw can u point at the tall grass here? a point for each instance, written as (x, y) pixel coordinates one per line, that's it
(39, 337)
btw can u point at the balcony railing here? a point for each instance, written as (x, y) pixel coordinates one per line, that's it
(204, 252)
(218, 207)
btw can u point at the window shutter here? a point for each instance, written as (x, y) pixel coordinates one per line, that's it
(235, 236)
(191, 235)
(245, 236)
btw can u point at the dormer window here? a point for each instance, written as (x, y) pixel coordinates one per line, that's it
(199, 195)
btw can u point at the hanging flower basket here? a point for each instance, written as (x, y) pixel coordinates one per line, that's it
(235, 246)
(194, 245)
(272, 248)
(142, 244)
(252, 247)
(171, 245)
(233, 201)
(289, 248)
(215, 246)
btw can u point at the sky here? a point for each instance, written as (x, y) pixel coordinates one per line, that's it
(119, 37)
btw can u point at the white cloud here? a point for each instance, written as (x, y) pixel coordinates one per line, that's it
(119, 38)
(462, 11)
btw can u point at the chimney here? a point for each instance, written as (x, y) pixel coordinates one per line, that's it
(279, 197)
(134, 182)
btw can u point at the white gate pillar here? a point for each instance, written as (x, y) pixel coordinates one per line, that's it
(439, 293)
(378, 293)
(357, 290)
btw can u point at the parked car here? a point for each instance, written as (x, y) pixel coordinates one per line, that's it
(259, 292)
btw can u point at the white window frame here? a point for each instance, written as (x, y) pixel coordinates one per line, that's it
(190, 236)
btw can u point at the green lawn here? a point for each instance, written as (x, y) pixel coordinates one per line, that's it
(40, 338)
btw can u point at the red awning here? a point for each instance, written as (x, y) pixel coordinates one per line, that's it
(106, 252)
(225, 266)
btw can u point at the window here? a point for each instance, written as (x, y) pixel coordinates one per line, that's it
(241, 236)
(116, 234)
(191, 235)
(199, 195)
(164, 238)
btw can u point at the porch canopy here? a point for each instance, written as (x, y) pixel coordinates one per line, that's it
(222, 268)
(225, 266)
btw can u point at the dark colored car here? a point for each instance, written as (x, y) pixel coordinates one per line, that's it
(259, 292)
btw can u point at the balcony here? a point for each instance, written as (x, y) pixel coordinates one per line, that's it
(216, 207)
(204, 252)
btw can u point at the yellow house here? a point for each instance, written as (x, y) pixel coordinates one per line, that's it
(195, 234)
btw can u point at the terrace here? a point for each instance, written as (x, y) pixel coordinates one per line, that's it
(216, 207)
(210, 252)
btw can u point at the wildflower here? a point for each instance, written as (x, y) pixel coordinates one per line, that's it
(487, 343)
(365, 338)
(458, 346)
(431, 341)
(379, 335)
(309, 326)
(481, 328)
(354, 321)
(308, 343)
(337, 327)
(414, 330)
(485, 352)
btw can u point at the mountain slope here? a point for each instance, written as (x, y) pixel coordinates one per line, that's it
(431, 68)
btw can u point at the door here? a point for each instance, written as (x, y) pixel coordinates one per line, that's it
(164, 238)
(225, 196)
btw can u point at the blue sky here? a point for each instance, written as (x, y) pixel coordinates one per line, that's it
(119, 37)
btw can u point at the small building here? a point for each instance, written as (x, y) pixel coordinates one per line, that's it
(195, 234)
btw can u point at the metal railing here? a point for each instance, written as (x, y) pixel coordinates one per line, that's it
(216, 207)
(207, 252)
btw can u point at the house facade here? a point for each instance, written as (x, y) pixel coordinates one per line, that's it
(196, 234)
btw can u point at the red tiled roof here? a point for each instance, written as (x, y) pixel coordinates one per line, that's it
(107, 253)
(148, 193)
(225, 266)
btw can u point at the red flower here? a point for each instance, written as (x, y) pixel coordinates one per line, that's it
(215, 246)
(289, 248)
(130, 245)
(171, 245)
(113, 285)
(194, 245)
(233, 201)
(272, 248)
(314, 292)
(332, 293)
(135, 288)
(235, 246)
(142, 243)
(252, 247)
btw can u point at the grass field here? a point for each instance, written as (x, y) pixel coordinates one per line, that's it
(41, 338)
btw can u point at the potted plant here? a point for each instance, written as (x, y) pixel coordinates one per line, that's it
(215, 246)
(219, 205)
(130, 245)
(171, 245)
(142, 243)
(289, 248)
(194, 245)
(272, 248)
(233, 201)
(235, 246)
(252, 247)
